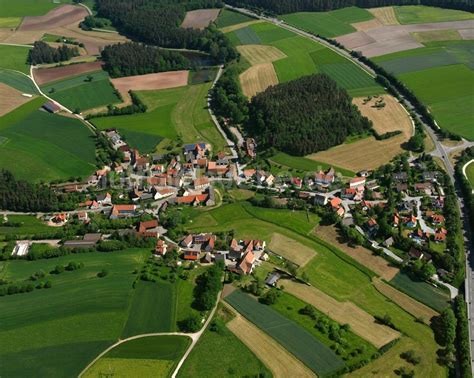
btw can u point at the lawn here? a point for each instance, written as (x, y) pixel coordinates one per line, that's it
(144, 357)
(418, 14)
(185, 295)
(58, 331)
(14, 58)
(39, 147)
(30, 225)
(28, 7)
(328, 24)
(229, 18)
(294, 338)
(229, 363)
(178, 112)
(18, 81)
(421, 291)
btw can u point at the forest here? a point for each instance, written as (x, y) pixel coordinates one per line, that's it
(157, 22)
(19, 195)
(303, 116)
(128, 59)
(44, 53)
(285, 6)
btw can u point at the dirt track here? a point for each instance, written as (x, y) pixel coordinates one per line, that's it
(392, 38)
(47, 75)
(57, 17)
(200, 18)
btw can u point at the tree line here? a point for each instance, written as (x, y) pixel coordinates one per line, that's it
(44, 53)
(285, 6)
(157, 22)
(303, 116)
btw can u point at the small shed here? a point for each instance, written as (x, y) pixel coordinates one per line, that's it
(51, 107)
(272, 279)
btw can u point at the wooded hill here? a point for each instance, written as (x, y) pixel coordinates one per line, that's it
(128, 59)
(303, 116)
(285, 6)
(157, 22)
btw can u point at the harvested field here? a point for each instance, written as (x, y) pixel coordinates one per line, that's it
(47, 75)
(258, 78)
(362, 323)
(392, 117)
(466, 34)
(291, 249)
(58, 17)
(386, 15)
(258, 54)
(278, 359)
(154, 81)
(200, 18)
(362, 255)
(11, 99)
(367, 25)
(417, 309)
(232, 28)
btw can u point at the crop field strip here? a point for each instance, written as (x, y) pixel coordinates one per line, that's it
(418, 14)
(28, 7)
(14, 58)
(11, 99)
(228, 18)
(290, 335)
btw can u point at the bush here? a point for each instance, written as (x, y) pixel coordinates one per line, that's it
(191, 324)
(102, 273)
(58, 269)
(48, 284)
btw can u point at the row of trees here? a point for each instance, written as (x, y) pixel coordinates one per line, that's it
(157, 22)
(285, 6)
(303, 116)
(44, 53)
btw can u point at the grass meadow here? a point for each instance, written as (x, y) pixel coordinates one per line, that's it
(38, 144)
(14, 58)
(29, 225)
(18, 81)
(470, 173)
(419, 14)
(328, 24)
(229, 18)
(29, 7)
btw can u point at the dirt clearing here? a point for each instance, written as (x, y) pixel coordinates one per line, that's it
(60, 16)
(231, 28)
(46, 75)
(273, 355)
(154, 81)
(200, 18)
(258, 78)
(290, 249)
(417, 309)
(362, 323)
(258, 54)
(10, 99)
(362, 255)
(386, 15)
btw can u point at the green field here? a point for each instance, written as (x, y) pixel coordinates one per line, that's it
(38, 145)
(306, 57)
(28, 7)
(328, 24)
(30, 225)
(171, 113)
(10, 22)
(422, 291)
(144, 357)
(14, 58)
(418, 14)
(228, 18)
(76, 93)
(73, 321)
(229, 364)
(470, 173)
(18, 81)
(289, 334)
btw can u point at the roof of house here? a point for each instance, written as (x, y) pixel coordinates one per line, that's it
(147, 225)
(201, 181)
(335, 202)
(247, 262)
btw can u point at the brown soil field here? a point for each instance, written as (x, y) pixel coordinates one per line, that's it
(361, 322)
(410, 305)
(362, 255)
(290, 249)
(154, 81)
(46, 75)
(57, 17)
(258, 54)
(10, 99)
(231, 28)
(273, 355)
(370, 153)
(367, 25)
(258, 78)
(386, 15)
(200, 18)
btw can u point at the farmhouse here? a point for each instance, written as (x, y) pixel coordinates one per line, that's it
(246, 266)
(149, 229)
(356, 182)
(324, 179)
(123, 211)
(104, 199)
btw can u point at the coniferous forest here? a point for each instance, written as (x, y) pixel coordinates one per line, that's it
(127, 59)
(157, 22)
(44, 53)
(285, 6)
(303, 116)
